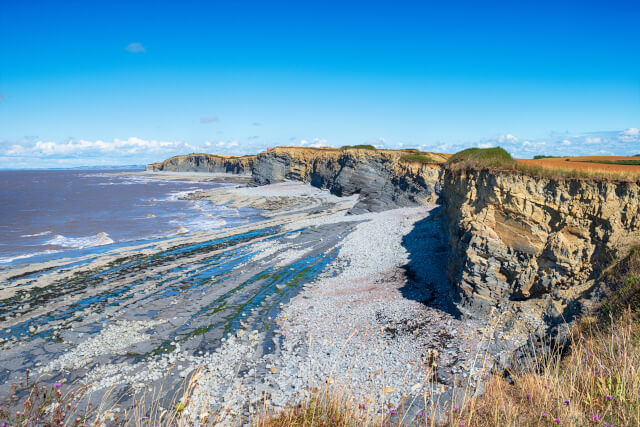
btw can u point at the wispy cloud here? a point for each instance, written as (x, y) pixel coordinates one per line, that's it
(208, 119)
(257, 124)
(315, 142)
(135, 48)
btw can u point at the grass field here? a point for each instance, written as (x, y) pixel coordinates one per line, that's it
(614, 165)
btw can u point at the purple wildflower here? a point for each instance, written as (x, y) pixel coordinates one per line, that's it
(392, 412)
(556, 420)
(595, 417)
(566, 402)
(57, 385)
(455, 409)
(544, 414)
(609, 397)
(528, 395)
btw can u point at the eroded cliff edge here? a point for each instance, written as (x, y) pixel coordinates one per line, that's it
(532, 247)
(382, 178)
(209, 163)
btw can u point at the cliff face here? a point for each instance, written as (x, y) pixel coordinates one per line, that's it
(534, 243)
(381, 178)
(205, 163)
(527, 248)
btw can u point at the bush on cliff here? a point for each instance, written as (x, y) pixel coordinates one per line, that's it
(361, 146)
(495, 157)
(417, 158)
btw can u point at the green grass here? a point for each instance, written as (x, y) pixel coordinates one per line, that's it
(417, 157)
(361, 146)
(613, 162)
(538, 157)
(496, 157)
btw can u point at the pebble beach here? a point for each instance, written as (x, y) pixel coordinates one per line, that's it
(309, 297)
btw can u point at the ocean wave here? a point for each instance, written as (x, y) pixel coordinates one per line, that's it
(98, 239)
(182, 230)
(44, 233)
(5, 260)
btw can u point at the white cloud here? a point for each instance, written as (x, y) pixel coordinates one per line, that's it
(84, 148)
(630, 135)
(318, 142)
(226, 145)
(135, 48)
(208, 119)
(506, 138)
(486, 145)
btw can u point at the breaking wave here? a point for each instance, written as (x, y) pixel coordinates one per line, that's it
(98, 239)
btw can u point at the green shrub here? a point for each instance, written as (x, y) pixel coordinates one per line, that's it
(545, 157)
(418, 158)
(496, 157)
(361, 146)
(614, 162)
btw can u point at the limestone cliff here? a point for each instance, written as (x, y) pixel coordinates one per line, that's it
(527, 248)
(381, 177)
(534, 245)
(210, 163)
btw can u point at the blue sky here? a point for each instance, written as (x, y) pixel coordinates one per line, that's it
(85, 83)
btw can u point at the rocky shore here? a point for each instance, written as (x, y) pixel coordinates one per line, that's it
(257, 311)
(352, 277)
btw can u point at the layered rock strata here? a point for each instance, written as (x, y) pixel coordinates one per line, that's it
(210, 163)
(381, 177)
(525, 248)
(533, 243)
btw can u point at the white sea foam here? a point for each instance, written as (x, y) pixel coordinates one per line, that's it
(44, 233)
(98, 239)
(5, 260)
(182, 230)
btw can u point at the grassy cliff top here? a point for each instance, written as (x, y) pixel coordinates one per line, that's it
(617, 168)
(407, 155)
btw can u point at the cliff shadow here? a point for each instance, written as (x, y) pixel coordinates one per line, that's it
(426, 272)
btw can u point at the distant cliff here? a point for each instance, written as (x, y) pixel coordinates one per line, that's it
(383, 178)
(211, 163)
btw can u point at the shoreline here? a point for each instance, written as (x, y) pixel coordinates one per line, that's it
(308, 261)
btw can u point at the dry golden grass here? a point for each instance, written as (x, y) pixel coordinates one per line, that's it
(585, 165)
(598, 383)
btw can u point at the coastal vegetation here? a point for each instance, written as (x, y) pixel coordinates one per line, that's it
(360, 146)
(417, 158)
(495, 157)
(614, 162)
(541, 156)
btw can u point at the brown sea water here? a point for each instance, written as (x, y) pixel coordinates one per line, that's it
(44, 213)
